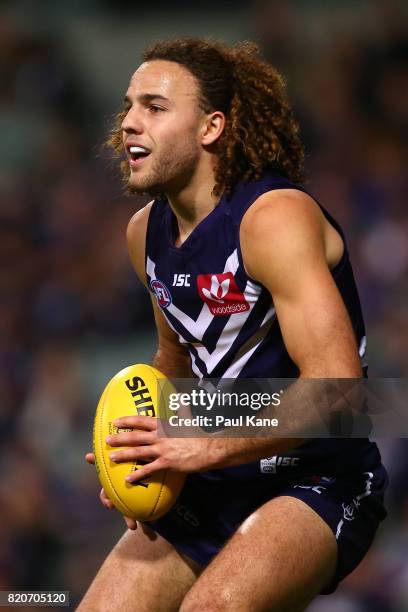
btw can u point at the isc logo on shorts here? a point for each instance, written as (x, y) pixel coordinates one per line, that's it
(220, 292)
(270, 464)
(186, 514)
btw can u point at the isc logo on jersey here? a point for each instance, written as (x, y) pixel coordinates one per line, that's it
(270, 464)
(221, 294)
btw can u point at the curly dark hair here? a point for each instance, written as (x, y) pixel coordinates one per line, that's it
(260, 132)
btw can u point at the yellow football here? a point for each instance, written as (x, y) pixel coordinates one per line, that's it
(135, 390)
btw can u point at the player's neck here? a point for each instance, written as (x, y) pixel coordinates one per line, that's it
(195, 201)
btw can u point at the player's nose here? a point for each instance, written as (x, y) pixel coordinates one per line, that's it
(132, 122)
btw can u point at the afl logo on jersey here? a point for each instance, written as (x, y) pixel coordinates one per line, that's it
(162, 293)
(221, 293)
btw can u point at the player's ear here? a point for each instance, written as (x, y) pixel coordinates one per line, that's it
(212, 128)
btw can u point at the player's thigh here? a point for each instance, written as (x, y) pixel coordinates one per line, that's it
(280, 558)
(143, 573)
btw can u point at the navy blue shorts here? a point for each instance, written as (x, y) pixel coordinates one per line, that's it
(213, 505)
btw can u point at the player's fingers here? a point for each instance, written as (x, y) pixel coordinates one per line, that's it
(144, 471)
(105, 500)
(137, 422)
(131, 524)
(90, 458)
(132, 454)
(131, 438)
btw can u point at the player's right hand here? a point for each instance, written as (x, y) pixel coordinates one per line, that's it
(105, 501)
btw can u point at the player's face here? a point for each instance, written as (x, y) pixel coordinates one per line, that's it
(161, 130)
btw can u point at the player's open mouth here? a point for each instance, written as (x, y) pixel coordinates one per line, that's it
(137, 155)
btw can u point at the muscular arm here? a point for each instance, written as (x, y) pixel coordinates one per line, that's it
(284, 244)
(171, 357)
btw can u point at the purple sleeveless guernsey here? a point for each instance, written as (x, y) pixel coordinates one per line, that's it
(227, 320)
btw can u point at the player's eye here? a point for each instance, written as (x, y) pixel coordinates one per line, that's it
(154, 108)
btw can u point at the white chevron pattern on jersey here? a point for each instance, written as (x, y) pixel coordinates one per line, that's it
(198, 327)
(247, 349)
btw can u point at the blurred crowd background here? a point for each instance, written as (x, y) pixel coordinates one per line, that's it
(72, 312)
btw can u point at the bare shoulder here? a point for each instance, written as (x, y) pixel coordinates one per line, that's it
(136, 240)
(136, 229)
(287, 225)
(283, 208)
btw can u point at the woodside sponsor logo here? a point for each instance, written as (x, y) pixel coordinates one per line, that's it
(221, 293)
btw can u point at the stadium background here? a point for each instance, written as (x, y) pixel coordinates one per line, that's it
(72, 312)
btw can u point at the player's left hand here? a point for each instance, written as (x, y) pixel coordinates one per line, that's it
(105, 501)
(179, 454)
